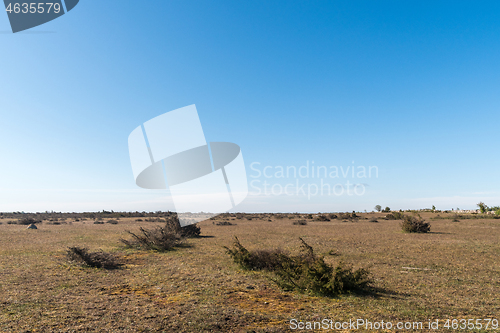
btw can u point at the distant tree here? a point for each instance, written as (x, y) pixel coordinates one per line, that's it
(378, 208)
(387, 209)
(482, 207)
(433, 208)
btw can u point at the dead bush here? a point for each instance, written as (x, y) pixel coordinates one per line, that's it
(112, 221)
(159, 239)
(322, 217)
(97, 259)
(300, 222)
(162, 238)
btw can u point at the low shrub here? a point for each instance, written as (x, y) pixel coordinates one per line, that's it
(97, 259)
(27, 221)
(112, 221)
(345, 216)
(305, 272)
(414, 224)
(97, 222)
(322, 217)
(373, 219)
(190, 231)
(300, 222)
(224, 223)
(398, 215)
(255, 260)
(394, 216)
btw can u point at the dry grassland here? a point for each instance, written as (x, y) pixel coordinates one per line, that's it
(452, 272)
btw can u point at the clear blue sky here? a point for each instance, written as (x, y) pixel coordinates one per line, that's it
(410, 87)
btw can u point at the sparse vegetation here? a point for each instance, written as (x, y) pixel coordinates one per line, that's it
(299, 222)
(417, 276)
(373, 219)
(97, 259)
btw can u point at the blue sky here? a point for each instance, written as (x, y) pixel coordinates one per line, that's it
(412, 88)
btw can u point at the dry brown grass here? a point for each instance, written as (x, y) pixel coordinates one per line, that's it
(451, 272)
